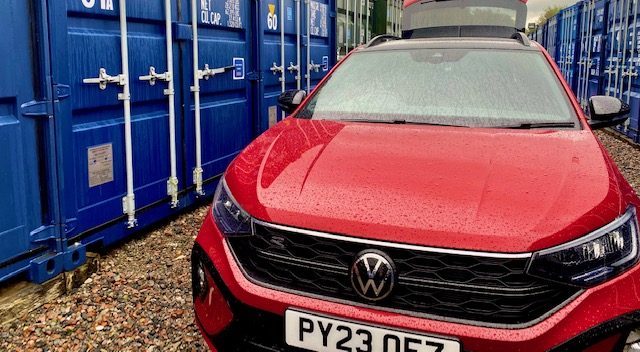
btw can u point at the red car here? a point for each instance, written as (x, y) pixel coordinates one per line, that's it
(432, 194)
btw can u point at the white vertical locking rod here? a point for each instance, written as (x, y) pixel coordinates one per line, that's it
(298, 48)
(282, 58)
(346, 28)
(398, 13)
(588, 64)
(355, 25)
(632, 73)
(618, 48)
(360, 36)
(368, 38)
(624, 50)
(197, 171)
(308, 76)
(129, 201)
(614, 5)
(172, 183)
(581, 63)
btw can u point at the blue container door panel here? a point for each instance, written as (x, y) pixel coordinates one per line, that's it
(226, 98)
(321, 17)
(87, 36)
(23, 125)
(275, 18)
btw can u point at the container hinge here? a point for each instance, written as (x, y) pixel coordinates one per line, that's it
(253, 76)
(42, 234)
(36, 108)
(61, 91)
(182, 31)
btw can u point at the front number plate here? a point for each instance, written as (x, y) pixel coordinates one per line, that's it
(319, 333)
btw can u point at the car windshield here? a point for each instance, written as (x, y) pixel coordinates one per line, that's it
(461, 87)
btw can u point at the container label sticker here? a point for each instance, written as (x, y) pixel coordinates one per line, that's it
(273, 115)
(272, 18)
(100, 168)
(289, 13)
(104, 4)
(212, 13)
(318, 19)
(238, 68)
(325, 63)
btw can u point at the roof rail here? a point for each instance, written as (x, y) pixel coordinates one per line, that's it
(522, 38)
(382, 38)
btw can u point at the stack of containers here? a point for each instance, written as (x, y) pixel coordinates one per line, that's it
(115, 116)
(596, 46)
(622, 54)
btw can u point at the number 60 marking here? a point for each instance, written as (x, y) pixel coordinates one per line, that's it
(272, 21)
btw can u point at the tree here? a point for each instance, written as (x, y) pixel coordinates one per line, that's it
(548, 13)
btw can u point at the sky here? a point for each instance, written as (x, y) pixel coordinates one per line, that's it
(537, 7)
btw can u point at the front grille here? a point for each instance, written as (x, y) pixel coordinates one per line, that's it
(485, 290)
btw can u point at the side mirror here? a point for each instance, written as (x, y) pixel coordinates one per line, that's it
(607, 111)
(289, 100)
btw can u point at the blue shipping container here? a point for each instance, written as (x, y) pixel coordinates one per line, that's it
(115, 120)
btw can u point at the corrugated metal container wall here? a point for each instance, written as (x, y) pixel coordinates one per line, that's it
(593, 53)
(569, 44)
(552, 37)
(28, 230)
(622, 60)
(127, 121)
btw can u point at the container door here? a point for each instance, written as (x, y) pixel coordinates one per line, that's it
(109, 178)
(281, 36)
(26, 223)
(321, 55)
(218, 79)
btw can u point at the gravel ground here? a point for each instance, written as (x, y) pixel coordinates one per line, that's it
(140, 298)
(627, 158)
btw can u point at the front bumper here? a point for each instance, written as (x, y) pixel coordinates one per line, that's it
(595, 321)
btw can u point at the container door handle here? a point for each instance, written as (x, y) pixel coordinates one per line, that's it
(207, 72)
(104, 79)
(153, 76)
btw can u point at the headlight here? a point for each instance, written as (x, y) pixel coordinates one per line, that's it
(593, 259)
(230, 218)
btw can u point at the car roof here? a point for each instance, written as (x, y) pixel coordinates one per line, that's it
(452, 43)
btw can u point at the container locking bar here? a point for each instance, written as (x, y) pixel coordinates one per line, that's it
(314, 67)
(293, 68)
(275, 69)
(210, 72)
(104, 79)
(153, 76)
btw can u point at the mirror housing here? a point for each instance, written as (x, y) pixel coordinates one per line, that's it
(289, 100)
(607, 111)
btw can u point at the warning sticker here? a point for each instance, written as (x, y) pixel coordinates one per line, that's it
(100, 168)
(273, 115)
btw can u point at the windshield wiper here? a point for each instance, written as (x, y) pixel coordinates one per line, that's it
(401, 122)
(532, 125)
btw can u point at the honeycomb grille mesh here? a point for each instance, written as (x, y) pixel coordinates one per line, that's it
(479, 289)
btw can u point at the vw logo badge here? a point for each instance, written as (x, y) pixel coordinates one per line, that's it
(373, 275)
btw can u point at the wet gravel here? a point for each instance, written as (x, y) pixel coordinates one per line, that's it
(140, 298)
(626, 156)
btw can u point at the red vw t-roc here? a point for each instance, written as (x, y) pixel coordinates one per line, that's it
(431, 194)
